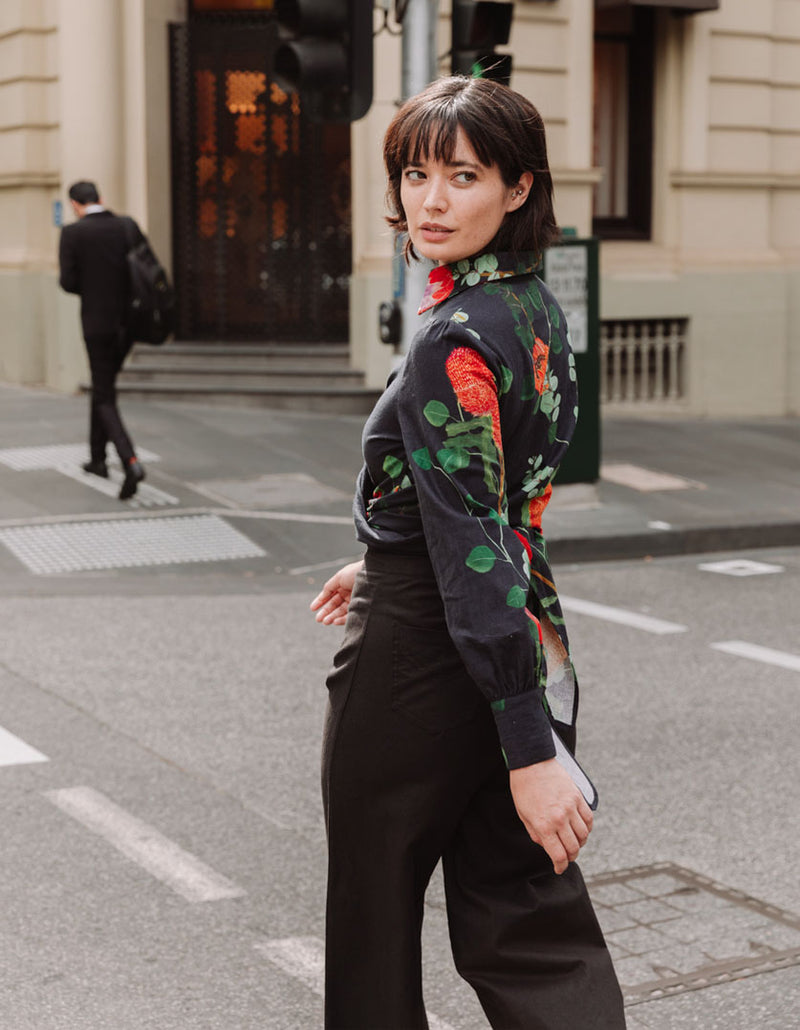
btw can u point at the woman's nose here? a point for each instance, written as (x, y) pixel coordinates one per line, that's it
(435, 196)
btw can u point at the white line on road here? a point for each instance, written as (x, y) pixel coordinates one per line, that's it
(143, 844)
(14, 751)
(301, 570)
(620, 615)
(742, 649)
(304, 959)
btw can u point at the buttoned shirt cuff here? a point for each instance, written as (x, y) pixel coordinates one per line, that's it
(524, 730)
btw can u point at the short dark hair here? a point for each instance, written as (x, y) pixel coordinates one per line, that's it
(84, 193)
(503, 128)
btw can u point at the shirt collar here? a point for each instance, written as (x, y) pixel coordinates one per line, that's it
(93, 209)
(448, 280)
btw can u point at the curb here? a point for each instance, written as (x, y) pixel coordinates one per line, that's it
(660, 544)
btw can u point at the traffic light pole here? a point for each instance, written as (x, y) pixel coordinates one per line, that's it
(418, 69)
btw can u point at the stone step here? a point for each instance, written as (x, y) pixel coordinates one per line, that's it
(252, 376)
(229, 356)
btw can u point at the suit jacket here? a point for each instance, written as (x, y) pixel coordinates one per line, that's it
(92, 259)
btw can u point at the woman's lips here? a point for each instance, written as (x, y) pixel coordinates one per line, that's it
(433, 233)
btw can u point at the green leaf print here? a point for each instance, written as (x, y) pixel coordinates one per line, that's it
(392, 466)
(528, 388)
(506, 380)
(516, 597)
(436, 413)
(481, 559)
(472, 278)
(453, 458)
(422, 457)
(555, 321)
(486, 263)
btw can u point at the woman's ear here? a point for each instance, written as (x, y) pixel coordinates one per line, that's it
(520, 191)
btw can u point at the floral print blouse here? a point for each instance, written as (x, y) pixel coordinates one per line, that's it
(460, 453)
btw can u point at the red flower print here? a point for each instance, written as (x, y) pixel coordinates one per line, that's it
(537, 505)
(440, 286)
(533, 619)
(475, 387)
(540, 355)
(476, 390)
(525, 543)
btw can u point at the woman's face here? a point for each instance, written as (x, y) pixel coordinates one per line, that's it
(454, 209)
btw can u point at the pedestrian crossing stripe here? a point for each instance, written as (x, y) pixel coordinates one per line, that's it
(14, 751)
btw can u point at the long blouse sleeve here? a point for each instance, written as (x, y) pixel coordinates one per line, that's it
(449, 413)
(460, 453)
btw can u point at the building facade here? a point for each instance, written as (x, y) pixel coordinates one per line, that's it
(674, 136)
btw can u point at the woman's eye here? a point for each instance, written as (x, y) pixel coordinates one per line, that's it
(465, 177)
(414, 174)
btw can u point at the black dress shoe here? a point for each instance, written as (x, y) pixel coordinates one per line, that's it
(134, 474)
(97, 468)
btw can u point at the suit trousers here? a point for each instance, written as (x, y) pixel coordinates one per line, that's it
(107, 353)
(413, 773)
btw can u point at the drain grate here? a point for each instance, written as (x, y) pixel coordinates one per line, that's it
(670, 930)
(126, 543)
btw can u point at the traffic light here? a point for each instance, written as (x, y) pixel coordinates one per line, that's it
(478, 27)
(325, 55)
(390, 322)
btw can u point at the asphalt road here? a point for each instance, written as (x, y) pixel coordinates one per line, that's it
(163, 855)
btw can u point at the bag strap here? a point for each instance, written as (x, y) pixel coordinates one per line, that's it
(130, 233)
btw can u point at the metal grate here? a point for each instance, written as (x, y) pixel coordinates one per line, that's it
(126, 543)
(671, 930)
(643, 360)
(261, 195)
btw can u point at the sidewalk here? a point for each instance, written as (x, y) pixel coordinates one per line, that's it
(668, 486)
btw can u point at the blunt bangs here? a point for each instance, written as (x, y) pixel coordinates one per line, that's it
(503, 128)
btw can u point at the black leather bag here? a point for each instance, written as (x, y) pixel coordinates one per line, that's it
(151, 312)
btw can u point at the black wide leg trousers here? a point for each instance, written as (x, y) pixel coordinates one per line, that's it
(412, 773)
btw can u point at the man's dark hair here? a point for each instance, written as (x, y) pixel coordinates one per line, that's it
(503, 128)
(84, 193)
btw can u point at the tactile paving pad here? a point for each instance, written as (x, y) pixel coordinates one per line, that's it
(126, 543)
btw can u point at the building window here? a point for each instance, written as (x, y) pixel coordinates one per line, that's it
(623, 121)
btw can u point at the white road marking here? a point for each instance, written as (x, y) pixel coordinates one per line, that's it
(645, 480)
(742, 649)
(286, 516)
(301, 570)
(300, 957)
(621, 615)
(14, 751)
(143, 844)
(304, 959)
(147, 495)
(740, 567)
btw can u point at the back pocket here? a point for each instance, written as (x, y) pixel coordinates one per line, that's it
(430, 685)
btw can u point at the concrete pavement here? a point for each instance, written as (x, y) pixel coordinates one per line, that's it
(667, 486)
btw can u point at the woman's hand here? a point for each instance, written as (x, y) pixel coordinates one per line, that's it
(332, 602)
(552, 809)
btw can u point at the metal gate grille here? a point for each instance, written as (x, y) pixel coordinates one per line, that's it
(261, 196)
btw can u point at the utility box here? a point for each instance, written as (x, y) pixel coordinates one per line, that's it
(571, 271)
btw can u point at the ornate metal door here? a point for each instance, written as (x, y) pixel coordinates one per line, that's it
(261, 196)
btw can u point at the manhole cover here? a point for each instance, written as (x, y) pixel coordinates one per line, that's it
(126, 543)
(670, 930)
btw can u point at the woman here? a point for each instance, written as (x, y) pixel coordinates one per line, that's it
(455, 661)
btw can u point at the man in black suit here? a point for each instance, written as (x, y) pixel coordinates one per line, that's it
(93, 261)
